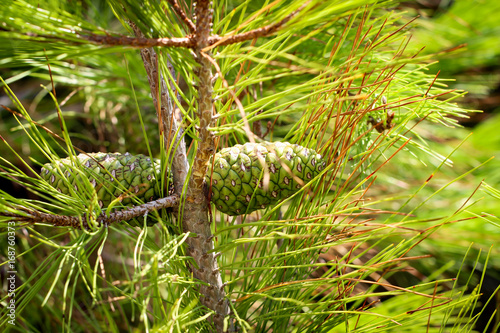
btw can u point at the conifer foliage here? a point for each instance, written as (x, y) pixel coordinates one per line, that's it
(282, 113)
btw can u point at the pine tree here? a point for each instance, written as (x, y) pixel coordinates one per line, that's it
(331, 76)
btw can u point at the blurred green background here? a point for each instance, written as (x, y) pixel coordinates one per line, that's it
(465, 36)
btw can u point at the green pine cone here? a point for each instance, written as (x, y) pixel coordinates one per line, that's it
(112, 175)
(238, 177)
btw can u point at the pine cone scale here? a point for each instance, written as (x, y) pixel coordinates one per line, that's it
(111, 175)
(267, 172)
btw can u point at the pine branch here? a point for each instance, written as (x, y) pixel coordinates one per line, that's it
(34, 216)
(253, 34)
(166, 119)
(195, 217)
(183, 16)
(139, 42)
(188, 41)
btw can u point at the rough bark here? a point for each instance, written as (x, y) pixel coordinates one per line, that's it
(165, 110)
(136, 42)
(195, 215)
(194, 210)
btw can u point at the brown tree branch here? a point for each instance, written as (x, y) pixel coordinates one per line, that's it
(141, 42)
(215, 41)
(183, 16)
(189, 41)
(195, 214)
(166, 119)
(34, 216)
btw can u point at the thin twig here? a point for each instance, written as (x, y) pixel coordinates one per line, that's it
(183, 16)
(34, 216)
(169, 129)
(139, 42)
(256, 33)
